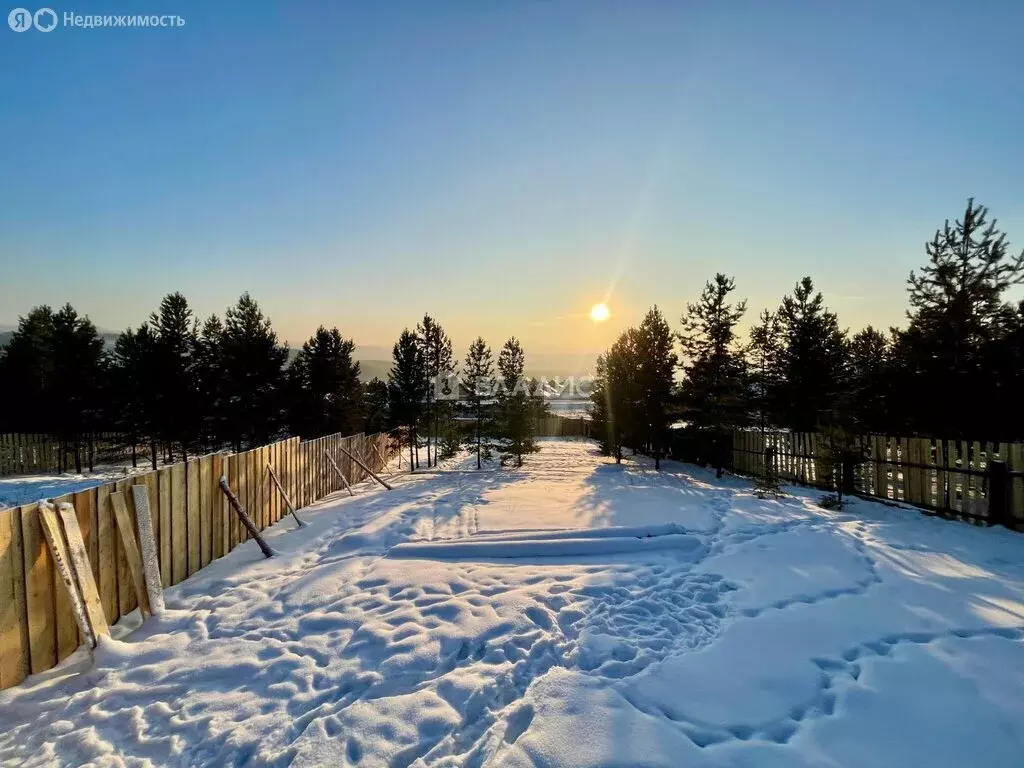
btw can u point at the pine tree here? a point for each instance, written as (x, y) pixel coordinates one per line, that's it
(211, 383)
(376, 406)
(253, 362)
(326, 394)
(77, 369)
(516, 425)
(436, 349)
(132, 377)
(764, 354)
(178, 416)
(813, 359)
(655, 384)
(956, 305)
(714, 389)
(477, 383)
(27, 373)
(615, 397)
(869, 380)
(407, 388)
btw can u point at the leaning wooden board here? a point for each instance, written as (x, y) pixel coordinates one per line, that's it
(130, 550)
(62, 564)
(83, 572)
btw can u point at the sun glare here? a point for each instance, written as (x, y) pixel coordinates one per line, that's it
(599, 313)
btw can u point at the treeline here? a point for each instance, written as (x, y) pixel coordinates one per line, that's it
(955, 371)
(182, 386)
(487, 408)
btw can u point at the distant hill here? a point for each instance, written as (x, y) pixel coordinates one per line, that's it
(369, 369)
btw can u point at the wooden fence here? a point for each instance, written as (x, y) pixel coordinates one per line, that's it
(950, 477)
(29, 453)
(193, 527)
(562, 426)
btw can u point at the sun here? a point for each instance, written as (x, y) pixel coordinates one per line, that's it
(599, 313)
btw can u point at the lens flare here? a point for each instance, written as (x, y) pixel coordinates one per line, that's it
(599, 313)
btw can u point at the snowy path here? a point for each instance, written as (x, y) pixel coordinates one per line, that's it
(572, 613)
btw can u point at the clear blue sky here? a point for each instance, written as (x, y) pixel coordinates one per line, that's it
(503, 165)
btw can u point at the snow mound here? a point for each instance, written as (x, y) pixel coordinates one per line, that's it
(691, 547)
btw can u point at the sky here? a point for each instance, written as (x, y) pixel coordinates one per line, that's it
(503, 165)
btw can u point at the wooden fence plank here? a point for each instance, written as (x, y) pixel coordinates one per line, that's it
(179, 524)
(193, 511)
(206, 505)
(64, 610)
(1015, 454)
(14, 656)
(84, 575)
(88, 524)
(125, 588)
(216, 525)
(39, 601)
(165, 543)
(65, 584)
(236, 483)
(130, 549)
(106, 553)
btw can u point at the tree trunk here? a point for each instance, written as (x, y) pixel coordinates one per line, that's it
(153, 455)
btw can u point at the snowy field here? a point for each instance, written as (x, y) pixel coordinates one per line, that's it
(16, 490)
(572, 613)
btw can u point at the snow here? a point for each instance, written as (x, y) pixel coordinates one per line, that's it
(16, 490)
(568, 613)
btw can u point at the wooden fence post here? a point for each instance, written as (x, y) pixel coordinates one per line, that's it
(244, 517)
(999, 494)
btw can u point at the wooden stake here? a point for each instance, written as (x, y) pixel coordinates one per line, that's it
(287, 501)
(83, 572)
(131, 550)
(61, 558)
(340, 473)
(244, 517)
(383, 463)
(147, 543)
(368, 471)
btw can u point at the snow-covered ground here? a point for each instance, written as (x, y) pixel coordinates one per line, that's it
(16, 490)
(571, 613)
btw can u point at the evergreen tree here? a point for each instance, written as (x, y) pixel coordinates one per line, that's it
(178, 418)
(956, 307)
(436, 349)
(211, 383)
(326, 394)
(516, 419)
(764, 360)
(813, 359)
(376, 406)
(253, 363)
(1006, 363)
(615, 396)
(407, 388)
(132, 377)
(27, 373)
(714, 389)
(655, 384)
(477, 383)
(76, 373)
(870, 380)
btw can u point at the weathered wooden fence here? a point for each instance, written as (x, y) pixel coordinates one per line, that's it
(27, 453)
(563, 426)
(955, 478)
(192, 523)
